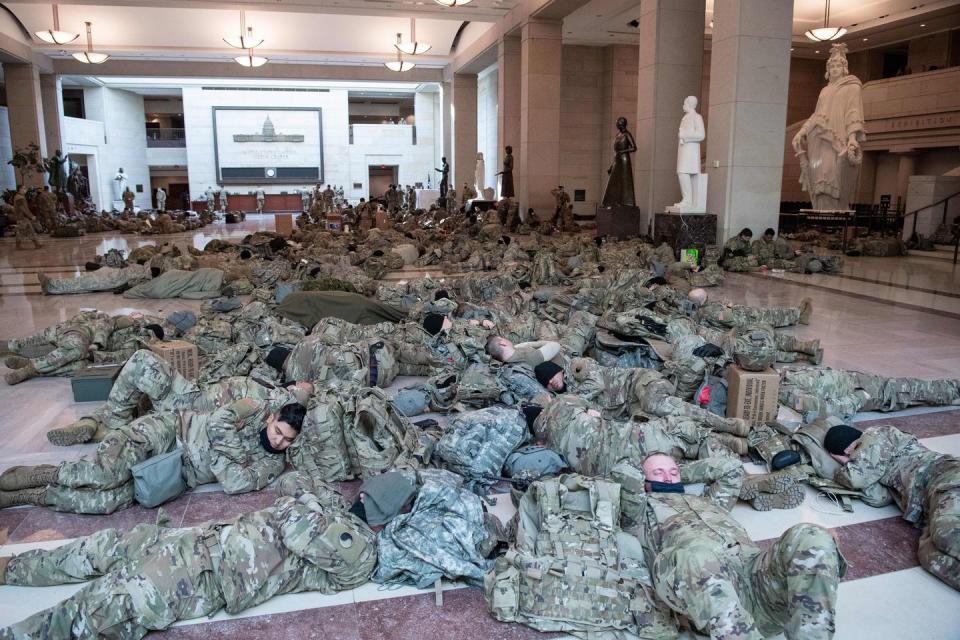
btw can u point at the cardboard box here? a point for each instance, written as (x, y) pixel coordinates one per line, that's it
(752, 395)
(93, 384)
(284, 223)
(181, 355)
(334, 222)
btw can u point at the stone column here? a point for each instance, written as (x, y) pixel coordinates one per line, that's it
(25, 110)
(671, 60)
(464, 159)
(508, 103)
(541, 65)
(447, 110)
(51, 92)
(905, 169)
(749, 80)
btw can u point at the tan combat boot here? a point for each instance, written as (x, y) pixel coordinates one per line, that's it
(14, 361)
(19, 375)
(78, 432)
(775, 482)
(736, 426)
(4, 561)
(26, 477)
(5, 349)
(806, 310)
(789, 498)
(44, 281)
(738, 445)
(36, 496)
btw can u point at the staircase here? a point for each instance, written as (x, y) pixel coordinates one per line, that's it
(941, 252)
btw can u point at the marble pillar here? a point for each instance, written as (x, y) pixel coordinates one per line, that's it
(25, 110)
(508, 103)
(464, 130)
(749, 80)
(670, 65)
(51, 93)
(446, 95)
(905, 168)
(541, 65)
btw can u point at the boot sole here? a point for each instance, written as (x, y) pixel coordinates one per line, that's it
(773, 483)
(59, 438)
(790, 498)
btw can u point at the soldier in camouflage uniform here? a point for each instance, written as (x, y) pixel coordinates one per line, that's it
(148, 375)
(24, 219)
(845, 393)
(725, 315)
(736, 253)
(925, 485)
(148, 578)
(241, 446)
(706, 568)
(104, 279)
(773, 252)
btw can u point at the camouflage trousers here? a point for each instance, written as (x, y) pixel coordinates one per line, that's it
(739, 315)
(939, 549)
(103, 483)
(144, 579)
(26, 232)
(791, 587)
(68, 355)
(741, 263)
(105, 279)
(146, 374)
(574, 336)
(656, 399)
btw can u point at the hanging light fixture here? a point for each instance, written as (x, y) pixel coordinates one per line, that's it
(245, 40)
(90, 56)
(453, 3)
(250, 60)
(825, 32)
(55, 36)
(399, 65)
(412, 48)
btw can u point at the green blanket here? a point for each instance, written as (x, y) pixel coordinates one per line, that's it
(310, 307)
(195, 285)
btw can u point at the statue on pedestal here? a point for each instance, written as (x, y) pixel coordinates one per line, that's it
(161, 199)
(119, 185)
(829, 142)
(261, 198)
(506, 182)
(479, 175)
(693, 183)
(57, 172)
(223, 201)
(211, 198)
(619, 189)
(444, 178)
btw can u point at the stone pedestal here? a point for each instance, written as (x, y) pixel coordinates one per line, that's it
(619, 221)
(684, 230)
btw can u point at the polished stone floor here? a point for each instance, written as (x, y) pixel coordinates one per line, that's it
(896, 316)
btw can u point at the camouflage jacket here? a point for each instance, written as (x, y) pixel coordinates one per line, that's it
(898, 461)
(224, 446)
(298, 544)
(229, 390)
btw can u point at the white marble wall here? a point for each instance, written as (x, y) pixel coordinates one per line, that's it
(8, 179)
(487, 122)
(344, 163)
(924, 190)
(85, 138)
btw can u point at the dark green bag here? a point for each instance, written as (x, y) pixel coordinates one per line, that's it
(159, 479)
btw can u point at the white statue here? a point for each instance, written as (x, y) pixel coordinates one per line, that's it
(161, 199)
(223, 201)
(209, 195)
(480, 175)
(693, 184)
(829, 142)
(261, 197)
(119, 185)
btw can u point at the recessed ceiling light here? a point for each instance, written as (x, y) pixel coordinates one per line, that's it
(865, 39)
(817, 51)
(791, 48)
(923, 25)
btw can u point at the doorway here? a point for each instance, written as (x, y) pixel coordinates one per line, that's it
(381, 176)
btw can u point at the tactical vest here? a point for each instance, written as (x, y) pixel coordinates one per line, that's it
(380, 437)
(478, 386)
(573, 569)
(755, 348)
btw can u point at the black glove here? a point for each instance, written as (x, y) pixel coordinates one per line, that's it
(708, 351)
(429, 423)
(652, 325)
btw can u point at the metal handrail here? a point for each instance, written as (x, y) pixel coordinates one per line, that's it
(944, 202)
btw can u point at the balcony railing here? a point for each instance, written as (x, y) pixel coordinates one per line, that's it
(167, 137)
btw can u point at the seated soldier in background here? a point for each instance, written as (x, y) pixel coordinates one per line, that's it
(737, 255)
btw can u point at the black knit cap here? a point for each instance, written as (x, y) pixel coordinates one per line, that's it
(245, 254)
(157, 330)
(277, 244)
(441, 294)
(840, 437)
(277, 356)
(546, 370)
(530, 413)
(433, 323)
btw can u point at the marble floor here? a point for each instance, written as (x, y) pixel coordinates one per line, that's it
(896, 316)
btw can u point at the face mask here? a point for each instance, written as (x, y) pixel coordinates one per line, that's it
(265, 443)
(666, 487)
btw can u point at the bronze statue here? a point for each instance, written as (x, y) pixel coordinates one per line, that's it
(56, 167)
(619, 189)
(506, 184)
(444, 178)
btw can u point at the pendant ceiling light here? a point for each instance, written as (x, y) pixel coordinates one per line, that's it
(412, 48)
(453, 3)
(245, 40)
(55, 36)
(250, 60)
(826, 32)
(399, 65)
(90, 56)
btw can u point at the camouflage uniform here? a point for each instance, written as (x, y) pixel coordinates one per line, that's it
(104, 279)
(925, 485)
(776, 254)
(732, 262)
(845, 393)
(147, 374)
(593, 445)
(150, 577)
(706, 568)
(623, 392)
(24, 219)
(223, 446)
(725, 316)
(476, 443)
(71, 340)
